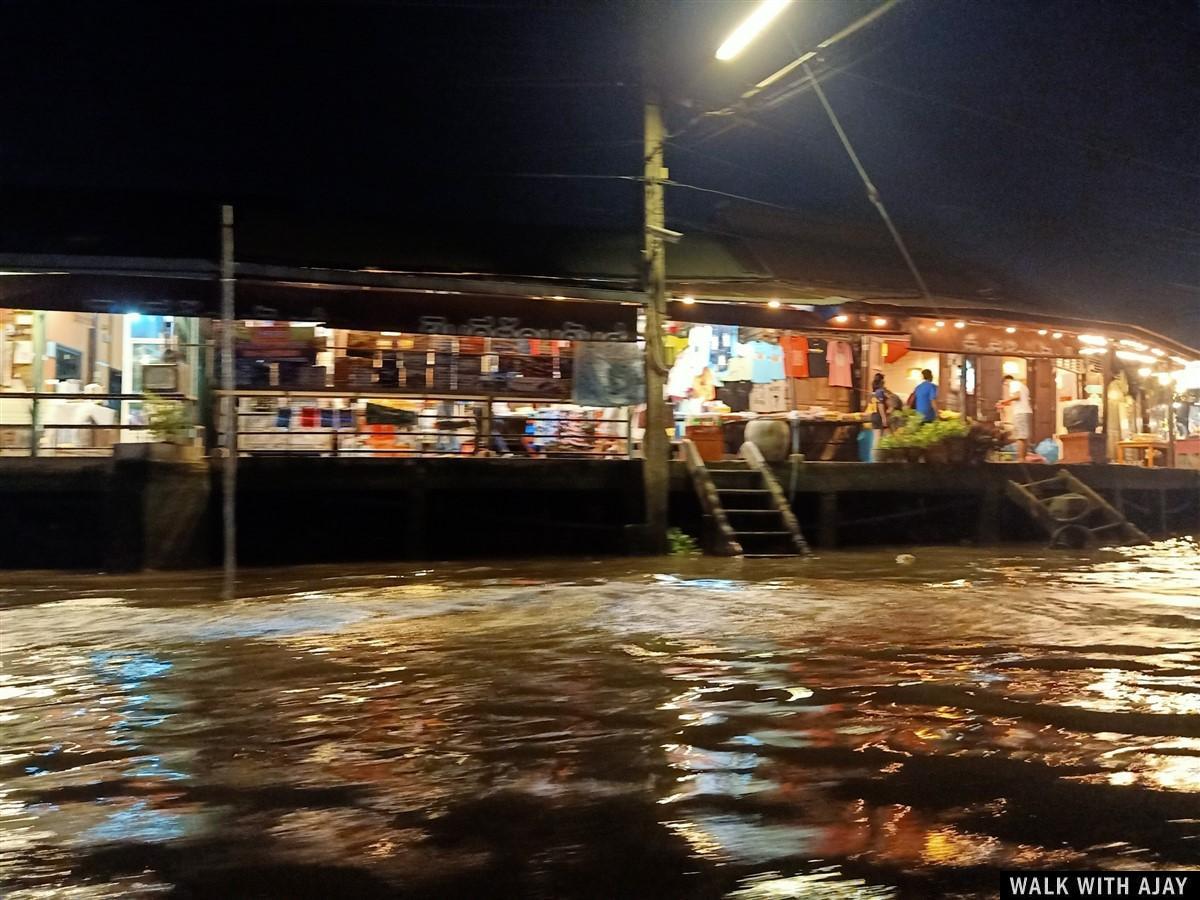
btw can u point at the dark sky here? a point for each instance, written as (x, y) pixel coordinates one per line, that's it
(1056, 141)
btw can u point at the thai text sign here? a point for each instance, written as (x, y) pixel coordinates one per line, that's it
(989, 340)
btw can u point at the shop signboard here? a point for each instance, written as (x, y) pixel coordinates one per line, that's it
(442, 312)
(988, 340)
(277, 342)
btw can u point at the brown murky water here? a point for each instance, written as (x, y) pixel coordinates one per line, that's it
(840, 727)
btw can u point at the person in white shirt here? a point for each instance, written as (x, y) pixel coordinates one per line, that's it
(1022, 412)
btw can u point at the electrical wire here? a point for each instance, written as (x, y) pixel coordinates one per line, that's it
(748, 96)
(742, 197)
(1087, 145)
(872, 191)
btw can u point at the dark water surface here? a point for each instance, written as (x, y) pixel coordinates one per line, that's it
(840, 727)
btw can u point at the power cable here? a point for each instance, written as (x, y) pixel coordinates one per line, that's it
(872, 191)
(1087, 145)
(748, 96)
(731, 196)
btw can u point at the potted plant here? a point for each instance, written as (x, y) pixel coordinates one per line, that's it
(166, 420)
(946, 439)
(167, 423)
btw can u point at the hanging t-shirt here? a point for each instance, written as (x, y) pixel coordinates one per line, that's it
(673, 345)
(841, 363)
(818, 365)
(767, 365)
(735, 395)
(741, 363)
(688, 365)
(795, 355)
(700, 339)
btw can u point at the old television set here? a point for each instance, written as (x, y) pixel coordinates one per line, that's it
(160, 378)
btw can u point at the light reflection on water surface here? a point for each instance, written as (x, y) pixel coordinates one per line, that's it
(841, 727)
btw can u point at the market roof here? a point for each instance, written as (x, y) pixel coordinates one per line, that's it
(748, 255)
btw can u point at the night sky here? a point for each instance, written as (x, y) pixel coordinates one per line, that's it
(1056, 142)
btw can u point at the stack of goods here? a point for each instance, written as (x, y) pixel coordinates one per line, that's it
(576, 434)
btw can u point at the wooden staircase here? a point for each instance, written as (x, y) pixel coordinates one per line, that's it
(745, 510)
(1072, 514)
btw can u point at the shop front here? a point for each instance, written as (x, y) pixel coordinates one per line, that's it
(74, 383)
(1095, 394)
(307, 389)
(380, 370)
(320, 370)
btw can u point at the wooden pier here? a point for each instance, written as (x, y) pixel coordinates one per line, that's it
(131, 514)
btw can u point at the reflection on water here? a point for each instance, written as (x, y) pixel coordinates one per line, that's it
(840, 727)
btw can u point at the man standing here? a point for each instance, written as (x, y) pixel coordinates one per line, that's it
(1022, 414)
(924, 397)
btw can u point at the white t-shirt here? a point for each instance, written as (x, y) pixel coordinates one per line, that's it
(1019, 394)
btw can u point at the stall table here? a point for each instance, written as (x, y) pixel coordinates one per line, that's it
(1187, 452)
(1145, 450)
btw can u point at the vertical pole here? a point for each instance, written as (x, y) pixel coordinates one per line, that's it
(1170, 389)
(655, 466)
(228, 407)
(38, 376)
(1106, 371)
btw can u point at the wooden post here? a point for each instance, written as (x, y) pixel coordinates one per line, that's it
(987, 530)
(655, 465)
(829, 519)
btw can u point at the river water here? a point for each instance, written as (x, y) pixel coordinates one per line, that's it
(847, 726)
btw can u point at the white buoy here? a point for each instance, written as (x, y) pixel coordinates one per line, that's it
(906, 559)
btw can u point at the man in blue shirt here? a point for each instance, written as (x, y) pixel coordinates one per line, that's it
(925, 397)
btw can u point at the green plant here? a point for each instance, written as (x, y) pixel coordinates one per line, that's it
(681, 543)
(916, 434)
(941, 429)
(166, 420)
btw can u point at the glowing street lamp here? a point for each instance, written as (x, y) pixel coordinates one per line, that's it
(764, 14)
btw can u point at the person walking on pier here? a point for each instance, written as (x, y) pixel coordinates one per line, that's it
(1022, 414)
(924, 397)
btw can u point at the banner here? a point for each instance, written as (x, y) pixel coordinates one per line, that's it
(609, 375)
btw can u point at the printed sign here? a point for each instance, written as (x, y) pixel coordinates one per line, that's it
(990, 340)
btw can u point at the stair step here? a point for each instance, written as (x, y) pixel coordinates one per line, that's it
(741, 499)
(762, 534)
(735, 477)
(729, 465)
(770, 555)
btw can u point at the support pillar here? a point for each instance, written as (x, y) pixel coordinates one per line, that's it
(829, 520)
(655, 446)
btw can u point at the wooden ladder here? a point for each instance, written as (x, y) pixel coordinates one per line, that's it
(745, 510)
(1072, 514)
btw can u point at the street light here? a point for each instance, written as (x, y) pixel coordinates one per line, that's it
(764, 14)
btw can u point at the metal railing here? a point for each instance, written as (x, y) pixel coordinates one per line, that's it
(53, 424)
(351, 423)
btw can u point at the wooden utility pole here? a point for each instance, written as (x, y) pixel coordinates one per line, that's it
(228, 407)
(655, 446)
